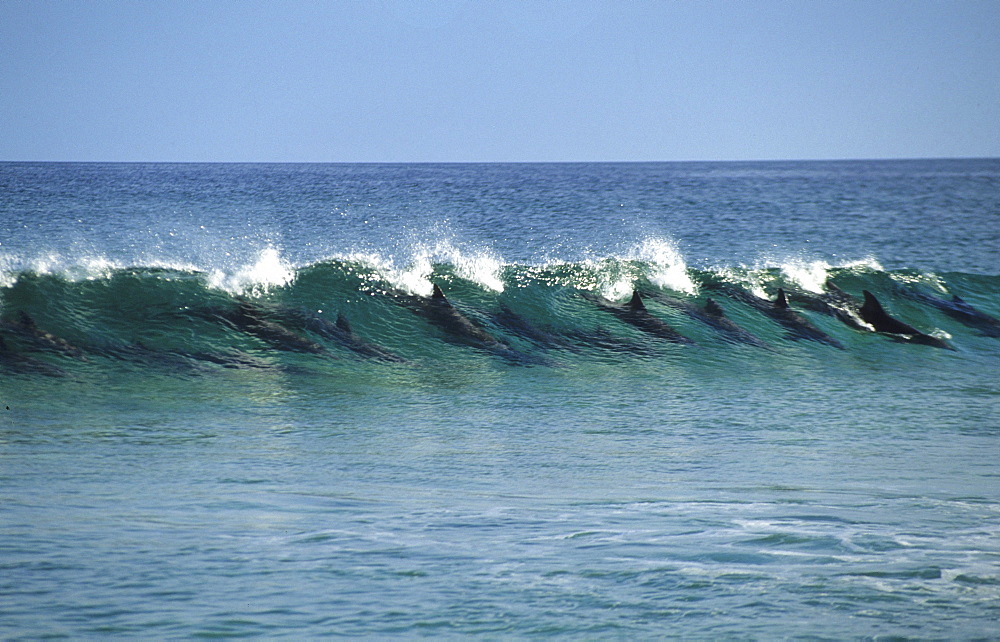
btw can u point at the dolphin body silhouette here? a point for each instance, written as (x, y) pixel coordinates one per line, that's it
(572, 340)
(712, 315)
(523, 328)
(873, 312)
(251, 320)
(460, 329)
(835, 303)
(345, 336)
(796, 325)
(635, 314)
(25, 328)
(340, 332)
(13, 361)
(958, 309)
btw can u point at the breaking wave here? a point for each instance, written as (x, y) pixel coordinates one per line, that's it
(55, 313)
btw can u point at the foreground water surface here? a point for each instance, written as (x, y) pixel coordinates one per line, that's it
(232, 405)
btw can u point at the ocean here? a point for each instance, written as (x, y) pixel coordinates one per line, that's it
(596, 400)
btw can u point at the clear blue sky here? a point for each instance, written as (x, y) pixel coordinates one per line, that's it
(505, 80)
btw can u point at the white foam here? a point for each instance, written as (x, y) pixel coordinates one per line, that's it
(618, 289)
(84, 268)
(50, 263)
(748, 277)
(809, 275)
(413, 273)
(481, 268)
(268, 270)
(656, 259)
(667, 268)
(414, 278)
(8, 270)
(812, 275)
(869, 262)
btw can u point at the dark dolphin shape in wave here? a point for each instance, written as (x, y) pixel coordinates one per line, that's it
(573, 340)
(715, 317)
(835, 303)
(343, 333)
(636, 315)
(873, 312)
(958, 309)
(712, 315)
(459, 328)
(796, 325)
(523, 328)
(251, 320)
(462, 330)
(13, 361)
(25, 328)
(340, 332)
(233, 359)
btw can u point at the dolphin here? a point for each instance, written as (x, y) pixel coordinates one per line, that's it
(523, 328)
(25, 328)
(346, 336)
(604, 340)
(139, 352)
(835, 303)
(341, 332)
(233, 359)
(572, 340)
(873, 313)
(22, 364)
(460, 329)
(960, 310)
(712, 315)
(796, 325)
(715, 317)
(250, 319)
(635, 314)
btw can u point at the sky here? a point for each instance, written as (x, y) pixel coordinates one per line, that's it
(503, 80)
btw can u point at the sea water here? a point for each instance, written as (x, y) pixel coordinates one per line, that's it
(227, 407)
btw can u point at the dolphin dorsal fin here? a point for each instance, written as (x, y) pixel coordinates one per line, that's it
(438, 294)
(25, 319)
(714, 308)
(957, 299)
(781, 301)
(636, 302)
(343, 323)
(871, 306)
(871, 300)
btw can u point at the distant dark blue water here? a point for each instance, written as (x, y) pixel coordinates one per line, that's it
(234, 405)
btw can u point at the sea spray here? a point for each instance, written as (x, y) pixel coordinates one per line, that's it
(666, 267)
(413, 273)
(268, 270)
(810, 276)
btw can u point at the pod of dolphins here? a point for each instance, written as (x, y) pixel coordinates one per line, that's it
(288, 329)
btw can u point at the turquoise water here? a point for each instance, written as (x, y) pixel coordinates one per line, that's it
(194, 447)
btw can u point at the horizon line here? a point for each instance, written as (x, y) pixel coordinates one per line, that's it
(494, 162)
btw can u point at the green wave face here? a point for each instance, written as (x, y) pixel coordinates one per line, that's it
(337, 314)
